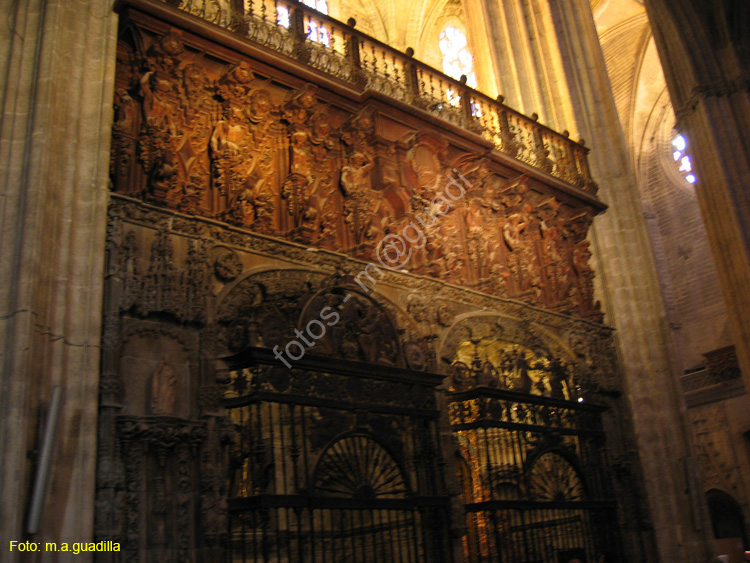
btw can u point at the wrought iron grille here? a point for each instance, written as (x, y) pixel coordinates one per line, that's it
(335, 462)
(534, 479)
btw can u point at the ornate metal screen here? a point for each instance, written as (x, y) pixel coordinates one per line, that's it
(335, 462)
(534, 480)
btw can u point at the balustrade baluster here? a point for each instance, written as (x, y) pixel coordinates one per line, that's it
(444, 95)
(539, 147)
(365, 60)
(569, 166)
(587, 182)
(352, 48)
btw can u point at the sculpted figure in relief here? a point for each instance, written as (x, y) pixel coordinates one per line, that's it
(163, 389)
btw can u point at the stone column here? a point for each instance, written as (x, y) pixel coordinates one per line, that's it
(703, 47)
(629, 289)
(526, 59)
(57, 60)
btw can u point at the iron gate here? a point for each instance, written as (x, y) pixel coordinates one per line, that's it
(534, 478)
(335, 461)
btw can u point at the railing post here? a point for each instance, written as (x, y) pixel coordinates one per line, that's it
(508, 142)
(352, 51)
(568, 164)
(585, 181)
(465, 98)
(541, 154)
(238, 22)
(412, 80)
(297, 27)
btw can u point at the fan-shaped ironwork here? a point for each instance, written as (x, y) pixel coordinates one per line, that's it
(553, 478)
(357, 466)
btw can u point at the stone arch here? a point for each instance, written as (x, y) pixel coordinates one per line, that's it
(262, 308)
(356, 326)
(506, 353)
(727, 518)
(486, 324)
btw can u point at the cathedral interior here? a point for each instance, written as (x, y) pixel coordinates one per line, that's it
(359, 281)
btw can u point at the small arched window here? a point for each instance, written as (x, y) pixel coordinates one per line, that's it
(682, 158)
(457, 58)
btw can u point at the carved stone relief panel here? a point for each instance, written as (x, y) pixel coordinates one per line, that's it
(717, 458)
(218, 139)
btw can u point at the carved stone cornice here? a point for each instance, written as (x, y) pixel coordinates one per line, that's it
(701, 92)
(461, 299)
(160, 432)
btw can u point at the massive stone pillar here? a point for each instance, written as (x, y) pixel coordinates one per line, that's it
(527, 60)
(704, 51)
(57, 61)
(631, 297)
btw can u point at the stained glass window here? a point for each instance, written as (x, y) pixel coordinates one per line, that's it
(680, 156)
(457, 58)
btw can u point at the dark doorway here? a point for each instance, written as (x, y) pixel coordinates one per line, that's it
(726, 516)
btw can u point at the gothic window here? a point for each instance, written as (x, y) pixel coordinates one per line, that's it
(320, 5)
(457, 58)
(682, 158)
(315, 30)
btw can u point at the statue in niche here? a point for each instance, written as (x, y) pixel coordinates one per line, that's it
(242, 153)
(163, 389)
(312, 165)
(558, 377)
(522, 261)
(454, 263)
(157, 151)
(584, 275)
(197, 95)
(359, 205)
(521, 382)
(123, 133)
(231, 139)
(355, 177)
(302, 158)
(514, 226)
